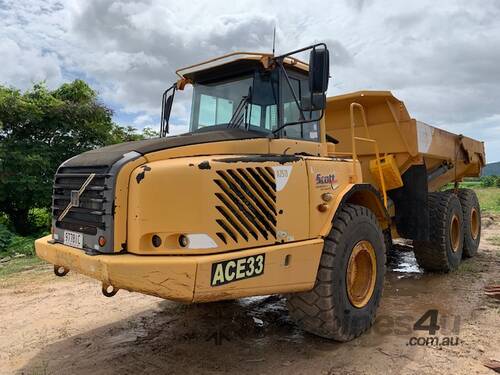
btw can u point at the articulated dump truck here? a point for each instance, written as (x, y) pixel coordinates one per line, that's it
(275, 189)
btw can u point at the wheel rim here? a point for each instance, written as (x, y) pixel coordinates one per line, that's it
(455, 233)
(474, 223)
(361, 274)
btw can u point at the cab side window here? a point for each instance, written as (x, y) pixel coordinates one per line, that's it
(291, 113)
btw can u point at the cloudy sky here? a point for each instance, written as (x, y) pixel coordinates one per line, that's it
(441, 57)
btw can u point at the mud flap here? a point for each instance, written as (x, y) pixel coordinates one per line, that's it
(411, 203)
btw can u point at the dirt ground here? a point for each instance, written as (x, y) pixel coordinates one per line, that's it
(51, 325)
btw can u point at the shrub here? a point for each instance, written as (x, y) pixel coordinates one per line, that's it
(5, 237)
(489, 181)
(22, 245)
(39, 220)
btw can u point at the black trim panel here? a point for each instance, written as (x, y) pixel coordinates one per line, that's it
(411, 203)
(107, 156)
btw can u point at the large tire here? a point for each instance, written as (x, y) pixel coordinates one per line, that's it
(328, 310)
(472, 221)
(443, 251)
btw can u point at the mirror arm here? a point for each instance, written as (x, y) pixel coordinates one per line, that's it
(299, 50)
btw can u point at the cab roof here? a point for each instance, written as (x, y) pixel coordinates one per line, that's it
(235, 63)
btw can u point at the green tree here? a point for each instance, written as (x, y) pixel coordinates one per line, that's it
(39, 129)
(149, 133)
(126, 134)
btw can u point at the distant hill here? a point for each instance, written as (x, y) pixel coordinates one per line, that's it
(492, 169)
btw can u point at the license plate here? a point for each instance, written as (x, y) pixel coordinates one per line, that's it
(73, 239)
(237, 269)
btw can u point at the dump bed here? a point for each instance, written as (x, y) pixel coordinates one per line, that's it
(448, 157)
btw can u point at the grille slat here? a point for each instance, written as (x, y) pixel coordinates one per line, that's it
(266, 177)
(224, 226)
(235, 206)
(66, 197)
(83, 210)
(77, 187)
(248, 203)
(231, 221)
(270, 201)
(265, 205)
(270, 173)
(270, 190)
(249, 199)
(82, 175)
(237, 217)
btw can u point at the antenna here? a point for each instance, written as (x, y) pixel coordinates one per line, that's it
(274, 38)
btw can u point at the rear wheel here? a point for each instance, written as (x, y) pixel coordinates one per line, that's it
(349, 283)
(472, 221)
(443, 251)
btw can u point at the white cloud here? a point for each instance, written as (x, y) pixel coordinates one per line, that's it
(441, 58)
(24, 66)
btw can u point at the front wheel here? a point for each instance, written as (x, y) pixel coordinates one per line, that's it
(343, 303)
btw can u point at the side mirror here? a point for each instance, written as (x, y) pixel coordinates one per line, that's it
(166, 108)
(319, 72)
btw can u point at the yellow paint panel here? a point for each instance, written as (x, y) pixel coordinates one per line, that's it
(298, 275)
(396, 133)
(166, 277)
(181, 278)
(320, 173)
(183, 196)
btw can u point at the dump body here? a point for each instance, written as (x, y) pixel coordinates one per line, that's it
(411, 142)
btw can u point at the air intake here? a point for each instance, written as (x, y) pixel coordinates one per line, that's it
(246, 204)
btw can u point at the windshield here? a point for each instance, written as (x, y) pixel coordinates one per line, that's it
(251, 102)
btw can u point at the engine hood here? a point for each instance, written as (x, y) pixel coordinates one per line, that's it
(109, 155)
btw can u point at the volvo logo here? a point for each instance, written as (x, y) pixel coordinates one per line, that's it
(75, 198)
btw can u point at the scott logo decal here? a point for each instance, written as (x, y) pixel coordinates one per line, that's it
(326, 180)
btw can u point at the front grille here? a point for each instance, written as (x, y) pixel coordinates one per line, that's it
(247, 204)
(88, 217)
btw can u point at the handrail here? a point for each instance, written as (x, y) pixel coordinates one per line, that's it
(367, 139)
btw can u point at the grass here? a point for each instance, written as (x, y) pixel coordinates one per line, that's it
(468, 267)
(19, 264)
(470, 184)
(489, 199)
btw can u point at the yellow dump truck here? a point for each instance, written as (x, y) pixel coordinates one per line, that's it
(275, 189)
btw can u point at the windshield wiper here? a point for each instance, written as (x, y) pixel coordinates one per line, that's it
(240, 113)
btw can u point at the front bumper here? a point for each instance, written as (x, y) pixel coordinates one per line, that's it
(290, 267)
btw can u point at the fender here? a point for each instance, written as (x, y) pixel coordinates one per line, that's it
(361, 194)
